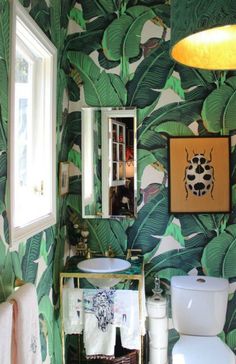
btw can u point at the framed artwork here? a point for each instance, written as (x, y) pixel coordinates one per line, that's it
(199, 175)
(64, 178)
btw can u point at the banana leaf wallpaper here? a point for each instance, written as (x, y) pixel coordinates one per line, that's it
(116, 53)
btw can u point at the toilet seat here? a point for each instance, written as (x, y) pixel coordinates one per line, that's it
(202, 350)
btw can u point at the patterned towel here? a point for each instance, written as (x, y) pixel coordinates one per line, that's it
(26, 339)
(101, 304)
(73, 313)
(99, 331)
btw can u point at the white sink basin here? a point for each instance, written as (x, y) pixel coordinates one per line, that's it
(103, 265)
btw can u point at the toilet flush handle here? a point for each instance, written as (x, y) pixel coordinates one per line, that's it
(201, 280)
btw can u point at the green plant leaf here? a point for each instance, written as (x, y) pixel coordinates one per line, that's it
(3, 164)
(199, 229)
(45, 284)
(58, 260)
(231, 339)
(230, 322)
(5, 225)
(75, 183)
(152, 140)
(29, 264)
(77, 15)
(186, 112)
(57, 341)
(174, 128)
(85, 42)
(150, 76)
(219, 256)
(46, 310)
(66, 7)
(3, 180)
(73, 90)
(16, 264)
(174, 84)
(43, 250)
(198, 93)
(61, 84)
(6, 277)
(3, 133)
(74, 202)
(173, 337)
(94, 8)
(122, 37)
(100, 88)
(3, 101)
(234, 195)
(219, 107)
(145, 158)
(143, 113)
(192, 77)
(2, 254)
(25, 3)
(43, 342)
(75, 157)
(104, 62)
(41, 15)
(4, 34)
(150, 225)
(175, 231)
(168, 273)
(100, 23)
(71, 134)
(55, 22)
(185, 259)
(104, 233)
(50, 240)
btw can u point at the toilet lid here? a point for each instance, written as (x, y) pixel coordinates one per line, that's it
(201, 350)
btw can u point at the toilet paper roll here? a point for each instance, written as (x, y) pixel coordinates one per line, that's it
(158, 356)
(158, 325)
(158, 333)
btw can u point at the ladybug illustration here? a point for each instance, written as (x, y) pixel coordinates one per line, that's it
(199, 174)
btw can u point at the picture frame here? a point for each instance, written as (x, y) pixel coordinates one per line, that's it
(64, 178)
(199, 174)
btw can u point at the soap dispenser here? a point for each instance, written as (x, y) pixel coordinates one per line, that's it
(157, 325)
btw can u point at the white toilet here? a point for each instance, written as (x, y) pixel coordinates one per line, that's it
(199, 306)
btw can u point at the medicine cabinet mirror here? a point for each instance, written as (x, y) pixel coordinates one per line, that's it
(32, 129)
(109, 178)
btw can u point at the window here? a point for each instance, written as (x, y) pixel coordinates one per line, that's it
(32, 132)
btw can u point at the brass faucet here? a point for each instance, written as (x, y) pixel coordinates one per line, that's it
(109, 253)
(133, 253)
(129, 254)
(89, 254)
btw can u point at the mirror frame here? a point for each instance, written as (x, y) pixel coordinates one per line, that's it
(106, 113)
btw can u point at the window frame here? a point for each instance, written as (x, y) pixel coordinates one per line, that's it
(33, 226)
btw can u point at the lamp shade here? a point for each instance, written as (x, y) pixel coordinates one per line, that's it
(203, 33)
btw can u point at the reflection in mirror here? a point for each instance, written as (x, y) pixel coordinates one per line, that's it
(109, 162)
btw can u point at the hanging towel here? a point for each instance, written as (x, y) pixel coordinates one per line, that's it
(73, 314)
(99, 330)
(6, 314)
(126, 316)
(26, 339)
(98, 343)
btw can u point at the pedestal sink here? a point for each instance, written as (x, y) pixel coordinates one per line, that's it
(103, 266)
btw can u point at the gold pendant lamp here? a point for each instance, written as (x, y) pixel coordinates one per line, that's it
(203, 33)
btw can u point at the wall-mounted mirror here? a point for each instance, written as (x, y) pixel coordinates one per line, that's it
(109, 180)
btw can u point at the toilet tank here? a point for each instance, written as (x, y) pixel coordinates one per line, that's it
(199, 304)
